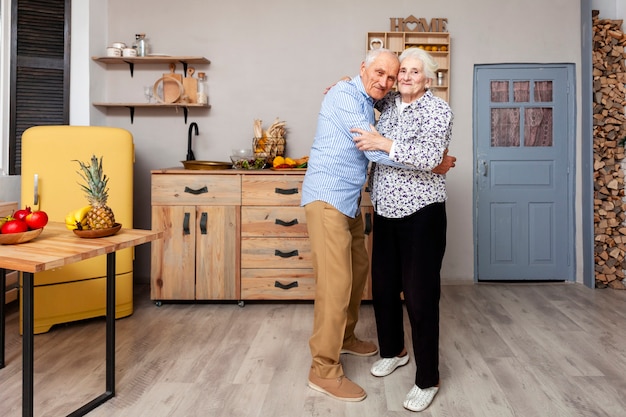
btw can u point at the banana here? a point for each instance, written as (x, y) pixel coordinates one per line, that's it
(77, 219)
(81, 213)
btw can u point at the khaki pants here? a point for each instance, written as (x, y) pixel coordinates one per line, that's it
(341, 267)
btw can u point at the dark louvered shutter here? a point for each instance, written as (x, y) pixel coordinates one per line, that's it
(40, 59)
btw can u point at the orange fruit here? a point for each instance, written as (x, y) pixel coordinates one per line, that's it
(279, 160)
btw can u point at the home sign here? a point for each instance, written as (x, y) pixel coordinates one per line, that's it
(413, 24)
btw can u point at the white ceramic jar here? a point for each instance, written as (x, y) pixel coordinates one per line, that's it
(128, 52)
(114, 52)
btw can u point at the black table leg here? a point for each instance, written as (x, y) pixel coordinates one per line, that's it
(28, 344)
(3, 284)
(110, 343)
(110, 325)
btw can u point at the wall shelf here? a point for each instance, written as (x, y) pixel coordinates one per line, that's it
(132, 106)
(149, 60)
(146, 60)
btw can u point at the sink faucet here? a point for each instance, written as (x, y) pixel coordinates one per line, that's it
(190, 155)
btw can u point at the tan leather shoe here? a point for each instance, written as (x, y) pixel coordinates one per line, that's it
(360, 348)
(340, 388)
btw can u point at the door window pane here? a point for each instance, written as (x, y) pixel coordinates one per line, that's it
(521, 91)
(499, 91)
(505, 127)
(543, 91)
(538, 126)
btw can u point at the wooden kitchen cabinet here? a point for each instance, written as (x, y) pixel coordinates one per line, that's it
(275, 252)
(258, 248)
(197, 259)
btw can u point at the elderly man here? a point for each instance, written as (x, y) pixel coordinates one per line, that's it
(331, 194)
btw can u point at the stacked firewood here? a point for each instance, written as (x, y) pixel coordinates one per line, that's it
(609, 131)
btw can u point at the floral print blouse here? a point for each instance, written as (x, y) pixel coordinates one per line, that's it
(421, 132)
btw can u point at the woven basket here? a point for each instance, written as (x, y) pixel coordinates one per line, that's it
(268, 148)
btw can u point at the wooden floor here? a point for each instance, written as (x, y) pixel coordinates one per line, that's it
(506, 350)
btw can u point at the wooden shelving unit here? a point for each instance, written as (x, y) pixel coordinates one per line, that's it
(152, 60)
(146, 60)
(436, 43)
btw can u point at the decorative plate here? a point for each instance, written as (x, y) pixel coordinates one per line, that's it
(91, 234)
(206, 165)
(14, 238)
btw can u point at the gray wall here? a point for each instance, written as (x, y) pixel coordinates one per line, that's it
(274, 59)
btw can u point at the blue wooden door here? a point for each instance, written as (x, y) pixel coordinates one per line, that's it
(524, 143)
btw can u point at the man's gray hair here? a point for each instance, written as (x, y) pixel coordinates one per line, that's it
(372, 54)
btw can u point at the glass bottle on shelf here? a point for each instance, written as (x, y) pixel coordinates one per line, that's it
(203, 97)
(141, 44)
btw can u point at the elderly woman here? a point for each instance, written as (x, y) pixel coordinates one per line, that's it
(410, 221)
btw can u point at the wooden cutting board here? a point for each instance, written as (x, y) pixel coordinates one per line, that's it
(171, 88)
(191, 86)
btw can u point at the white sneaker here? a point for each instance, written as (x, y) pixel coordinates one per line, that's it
(419, 399)
(385, 366)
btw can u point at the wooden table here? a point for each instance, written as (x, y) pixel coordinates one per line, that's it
(55, 247)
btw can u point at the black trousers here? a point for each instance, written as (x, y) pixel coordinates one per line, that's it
(406, 258)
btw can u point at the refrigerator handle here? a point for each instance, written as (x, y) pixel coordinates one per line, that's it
(36, 198)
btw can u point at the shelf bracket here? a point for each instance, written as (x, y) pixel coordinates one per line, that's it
(185, 110)
(184, 68)
(132, 113)
(131, 66)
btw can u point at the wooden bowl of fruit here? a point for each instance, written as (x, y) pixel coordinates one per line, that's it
(96, 233)
(22, 226)
(21, 237)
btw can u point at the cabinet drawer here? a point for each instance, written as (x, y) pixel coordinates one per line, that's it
(275, 253)
(223, 190)
(271, 190)
(273, 221)
(276, 284)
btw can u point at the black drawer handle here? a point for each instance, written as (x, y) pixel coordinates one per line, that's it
(203, 220)
(198, 191)
(368, 223)
(286, 254)
(284, 223)
(186, 224)
(286, 286)
(286, 191)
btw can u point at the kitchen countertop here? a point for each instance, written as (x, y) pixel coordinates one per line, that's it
(181, 170)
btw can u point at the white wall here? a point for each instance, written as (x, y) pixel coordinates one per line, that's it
(5, 34)
(610, 9)
(9, 185)
(274, 58)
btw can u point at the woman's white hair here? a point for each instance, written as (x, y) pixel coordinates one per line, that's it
(429, 65)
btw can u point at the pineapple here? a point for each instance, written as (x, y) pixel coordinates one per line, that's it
(100, 216)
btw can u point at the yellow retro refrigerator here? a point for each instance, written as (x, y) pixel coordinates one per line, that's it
(50, 182)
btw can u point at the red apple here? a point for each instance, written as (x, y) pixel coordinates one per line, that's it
(21, 214)
(36, 219)
(14, 226)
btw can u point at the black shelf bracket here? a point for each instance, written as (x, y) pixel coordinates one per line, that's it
(132, 113)
(184, 68)
(131, 66)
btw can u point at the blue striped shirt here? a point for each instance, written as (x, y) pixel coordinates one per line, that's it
(337, 169)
